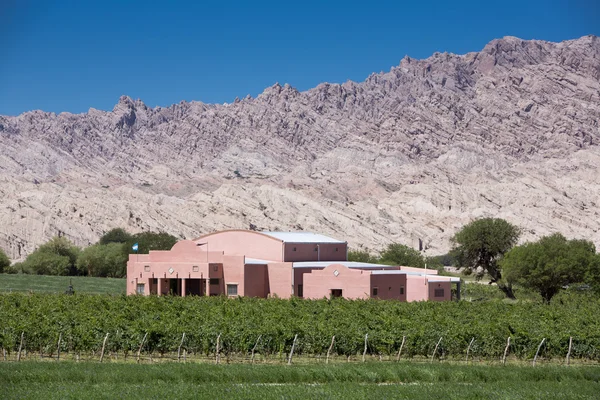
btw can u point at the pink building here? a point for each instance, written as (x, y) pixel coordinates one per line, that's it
(283, 264)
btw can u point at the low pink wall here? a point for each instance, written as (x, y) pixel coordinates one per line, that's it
(280, 279)
(416, 288)
(355, 284)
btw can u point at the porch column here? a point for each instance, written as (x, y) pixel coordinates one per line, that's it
(458, 290)
(183, 286)
(160, 286)
(207, 286)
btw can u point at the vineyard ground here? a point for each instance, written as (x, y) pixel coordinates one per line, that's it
(59, 284)
(60, 380)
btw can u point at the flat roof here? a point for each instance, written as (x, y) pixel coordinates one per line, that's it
(248, 260)
(302, 237)
(349, 264)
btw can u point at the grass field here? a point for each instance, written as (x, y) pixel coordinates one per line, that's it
(51, 380)
(59, 284)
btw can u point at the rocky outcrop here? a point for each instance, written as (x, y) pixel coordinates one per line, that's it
(413, 153)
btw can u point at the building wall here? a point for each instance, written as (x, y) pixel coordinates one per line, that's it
(256, 280)
(446, 286)
(312, 252)
(280, 279)
(416, 288)
(244, 243)
(388, 286)
(355, 284)
(299, 277)
(233, 273)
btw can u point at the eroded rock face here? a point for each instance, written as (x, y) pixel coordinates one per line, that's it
(414, 153)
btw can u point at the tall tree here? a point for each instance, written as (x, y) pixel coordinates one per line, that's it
(151, 241)
(107, 260)
(58, 256)
(116, 235)
(399, 254)
(479, 246)
(549, 264)
(4, 261)
(361, 256)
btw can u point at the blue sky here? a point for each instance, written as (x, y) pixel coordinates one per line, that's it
(73, 55)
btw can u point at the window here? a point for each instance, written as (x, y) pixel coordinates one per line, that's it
(214, 281)
(316, 249)
(438, 293)
(146, 268)
(215, 267)
(140, 288)
(375, 291)
(232, 290)
(336, 292)
(294, 249)
(401, 289)
(300, 291)
(195, 268)
(336, 249)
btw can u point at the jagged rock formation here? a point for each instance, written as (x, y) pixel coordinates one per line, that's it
(511, 131)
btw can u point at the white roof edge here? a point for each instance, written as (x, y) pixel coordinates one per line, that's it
(248, 260)
(302, 237)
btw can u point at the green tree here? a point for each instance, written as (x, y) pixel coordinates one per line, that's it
(107, 260)
(549, 264)
(399, 254)
(361, 256)
(116, 235)
(150, 241)
(4, 261)
(56, 257)
(479, 246)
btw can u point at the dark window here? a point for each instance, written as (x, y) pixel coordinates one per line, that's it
(438, 292)
(336, 249)
(232, 290)
(215, 267)
(316, 249)
(214, 281)
(155, 281)
(375, 290)
(146, 268)
(336, 292)
(294, 249)
(195, 268)
(401, 289)
(300, 291)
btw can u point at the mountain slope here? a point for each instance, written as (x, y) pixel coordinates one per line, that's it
(414, 153)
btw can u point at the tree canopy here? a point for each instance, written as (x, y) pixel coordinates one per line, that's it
(150, 241)
(399, 254)
(4, 261)
(116, 235)
(479, 246)
(551, 263)
(56, 257)
(361, 256)
(104, 260)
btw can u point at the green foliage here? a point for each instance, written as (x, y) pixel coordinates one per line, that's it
(4, 261)
(83, 321)
(361, 256)
(116, 235)
(399, 254)
(479, 246)
(550, 264)
(445, 260)
(56, 257)
(150, 241)
(58, 284)
(109, 260)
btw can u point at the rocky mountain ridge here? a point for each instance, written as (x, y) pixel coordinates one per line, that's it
(413, 153)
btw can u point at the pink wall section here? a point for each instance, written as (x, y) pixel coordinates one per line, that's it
(256, 283)
(280, 280)
(355, 284)
(244, 243)
(446, 286)
(416, 288)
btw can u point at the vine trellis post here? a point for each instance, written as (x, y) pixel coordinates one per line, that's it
(104, 347)
(330, 348)
(58, 347)
(179, 348)
(506, 351)
(469, 349)
(538, 351)
(140, 349)
(292, 350)
(401, 346)
(435, 349)
(218, 355)
(254, 348)
(569, 352)
(20, 346)
(365, 350)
